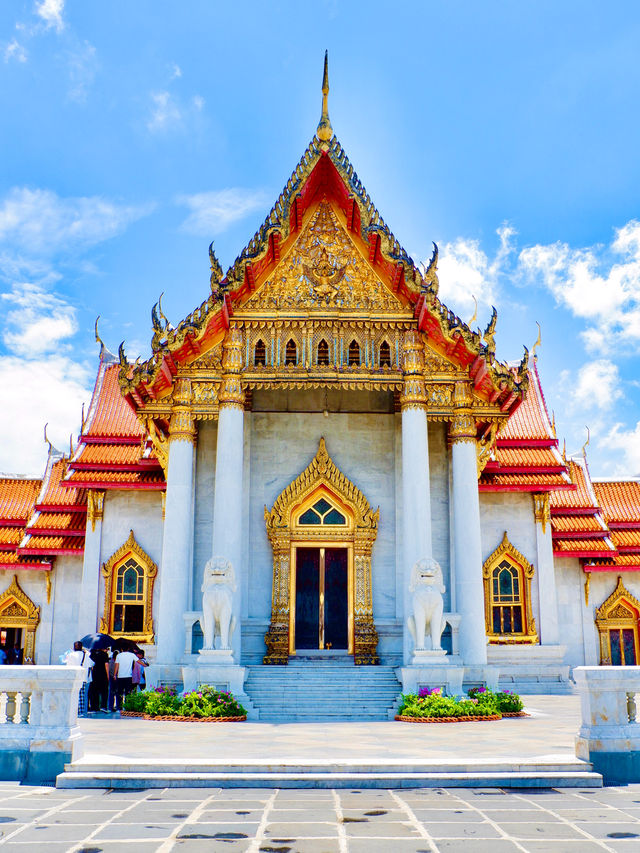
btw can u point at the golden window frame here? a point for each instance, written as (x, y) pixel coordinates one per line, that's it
(322, 477)
(110, 572)
(18, 611)
(617, 612)
(506, 551)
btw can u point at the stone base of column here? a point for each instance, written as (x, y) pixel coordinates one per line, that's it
(160, 674)
(482, 675)
(429, 657)
(222, 676)
(217, 657)
(446, 674)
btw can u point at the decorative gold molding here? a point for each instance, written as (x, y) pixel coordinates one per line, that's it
(542, 509)
(109, 572)
(587, 584)
(231, 393)
(485, 447)
(414, 391)
(47, 583)
(18, 611)
(463, 424)
(617, 612)
(321, 474)
(95, 507)
(506, 551)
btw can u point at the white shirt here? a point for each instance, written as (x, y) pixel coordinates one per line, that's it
(125, 662)
(75, 658)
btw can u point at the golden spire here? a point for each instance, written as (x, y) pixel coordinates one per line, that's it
(325, 131)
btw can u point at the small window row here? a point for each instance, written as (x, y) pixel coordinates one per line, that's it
(354, 354)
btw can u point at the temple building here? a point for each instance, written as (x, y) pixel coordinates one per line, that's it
(337, 440)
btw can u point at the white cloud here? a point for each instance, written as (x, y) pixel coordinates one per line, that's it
(625, 441)
(14, 50)
(597, 386)
(38, 322)
(51, 13)
(198, 102)
(46, 389)
(165, 112)
(212, 212)
(176, 71)
(598, 284)
(81, 67)
(39, 221)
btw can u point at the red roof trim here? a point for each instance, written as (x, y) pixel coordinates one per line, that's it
(593, 555)
(65, 509)
(50, 551)
(110, 439)
(12, 522)
(530, 487)
(501, 468)
(574, 510)
(525, 443)
(624, 525)
(580, 534)
(39, 567)
(54, 531)
(612, 568)
(145, 466)
(119, 487)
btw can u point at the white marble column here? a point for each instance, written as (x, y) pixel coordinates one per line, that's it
(416, 499)
(228, 489)
(547, 595)
(88, 616)
(466, 532)
(177, 539)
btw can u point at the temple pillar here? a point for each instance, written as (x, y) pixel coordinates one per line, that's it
(547, 595)
(227, 501)
(467, 550)
(90, 586)
(416, 502)
(177, 540)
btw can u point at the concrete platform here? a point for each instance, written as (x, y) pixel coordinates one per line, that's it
(534, 751)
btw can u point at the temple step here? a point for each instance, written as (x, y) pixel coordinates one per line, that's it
(322, 689)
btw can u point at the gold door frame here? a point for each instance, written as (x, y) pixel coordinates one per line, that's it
(620, 610)
(18, 611)
(321, 477)
(322, 545)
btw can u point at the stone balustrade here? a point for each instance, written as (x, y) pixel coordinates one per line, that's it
(39, 730)
(609, 736)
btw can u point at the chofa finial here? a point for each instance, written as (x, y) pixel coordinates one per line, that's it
(325, 131)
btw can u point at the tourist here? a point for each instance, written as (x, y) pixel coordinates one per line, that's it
(15, 655)
(137, 676)
(78, 657)
(113, 689)
(124, 675)
(3, 656)
(99, 688)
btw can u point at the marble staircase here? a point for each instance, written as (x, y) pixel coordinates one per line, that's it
(321, 687)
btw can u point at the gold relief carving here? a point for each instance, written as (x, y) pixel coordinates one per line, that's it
(506, 556)
(619, 612)
(163, 501)
(47, 583)
(129, 550)
(414, 391)
(95, 507)
(231, 393)
(182, 425)
(160, 444)
(205, 392)
(324, 269)
(542, 509)
(435, 363)
(439, 395)
(18, 611)
(362, 533)
(462, 428)
(210, 361)
(587, 584)
(182, 392)
(485, 447)
(462, 396)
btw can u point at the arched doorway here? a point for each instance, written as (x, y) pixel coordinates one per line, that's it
(617, 620)
(322, 531)
(19, 619)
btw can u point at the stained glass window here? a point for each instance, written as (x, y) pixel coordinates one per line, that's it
(322, 513)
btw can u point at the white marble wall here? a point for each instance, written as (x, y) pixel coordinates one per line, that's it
(203, 521)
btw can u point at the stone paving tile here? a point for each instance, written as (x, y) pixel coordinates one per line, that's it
(564, 846)
(212, 815)
(473, 845)
(221, 830)
(310, 814)
(300, 830)
(302, 845)
(209, 846)
(131, 831)
(117, 847)
(382, 830)
(520, 816)
(477, 829)
(400, 845)
(50, 847)
(556, 831)
(42, 833)
(428, 816)
(607, 831)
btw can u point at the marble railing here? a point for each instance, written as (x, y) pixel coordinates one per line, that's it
(609, 736)
(38, 721)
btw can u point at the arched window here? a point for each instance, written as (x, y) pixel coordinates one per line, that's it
(322, 513)
(129, 575)
(354, 354)
(291, 352)
(323, 352)
(507, 578)
(385, 354)
(617, 621)
(260, 354)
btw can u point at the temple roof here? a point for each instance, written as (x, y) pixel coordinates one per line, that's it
(17, 499)
(620, 502)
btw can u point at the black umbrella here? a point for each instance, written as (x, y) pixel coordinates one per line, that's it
(97, 641)
(122, 644)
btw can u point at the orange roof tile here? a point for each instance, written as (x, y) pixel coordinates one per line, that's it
(623, 539)
(106, 478)
(528, 457)
(10, 560)
(53, 493)
(620, 500)
(108, 454)
(58, 521)
(578, 524)
(11, 536)
(530, 420)
(109, 413)
(588, 545)
(17, 498)
(583, 497)
(523, 482)
(51, 545)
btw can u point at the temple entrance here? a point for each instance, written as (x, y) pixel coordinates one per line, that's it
(321, 599)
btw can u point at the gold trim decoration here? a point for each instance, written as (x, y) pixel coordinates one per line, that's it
(321, 475)
(463, 423)
(542, 509)
(95, 507)
(414, 391)
(47, 583)
(18, 611)
(485, 447)
(587, 585)
(617, 612)
(506, 551)
(231, 393)
(109, 572)
(182, 426)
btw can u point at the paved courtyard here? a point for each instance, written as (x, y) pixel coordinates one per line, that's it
(308, 821)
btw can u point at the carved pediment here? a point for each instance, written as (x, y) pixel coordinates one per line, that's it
(324, 270)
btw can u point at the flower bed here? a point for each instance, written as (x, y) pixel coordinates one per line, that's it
(432, 706)
(205, 704)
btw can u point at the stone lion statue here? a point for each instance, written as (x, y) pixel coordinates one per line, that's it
(427, 587)
(218, 587)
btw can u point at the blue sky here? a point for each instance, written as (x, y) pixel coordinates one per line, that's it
(132, 134)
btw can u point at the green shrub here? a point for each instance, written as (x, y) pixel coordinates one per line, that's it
(509, 703)
(204, 702)
(136, 702)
